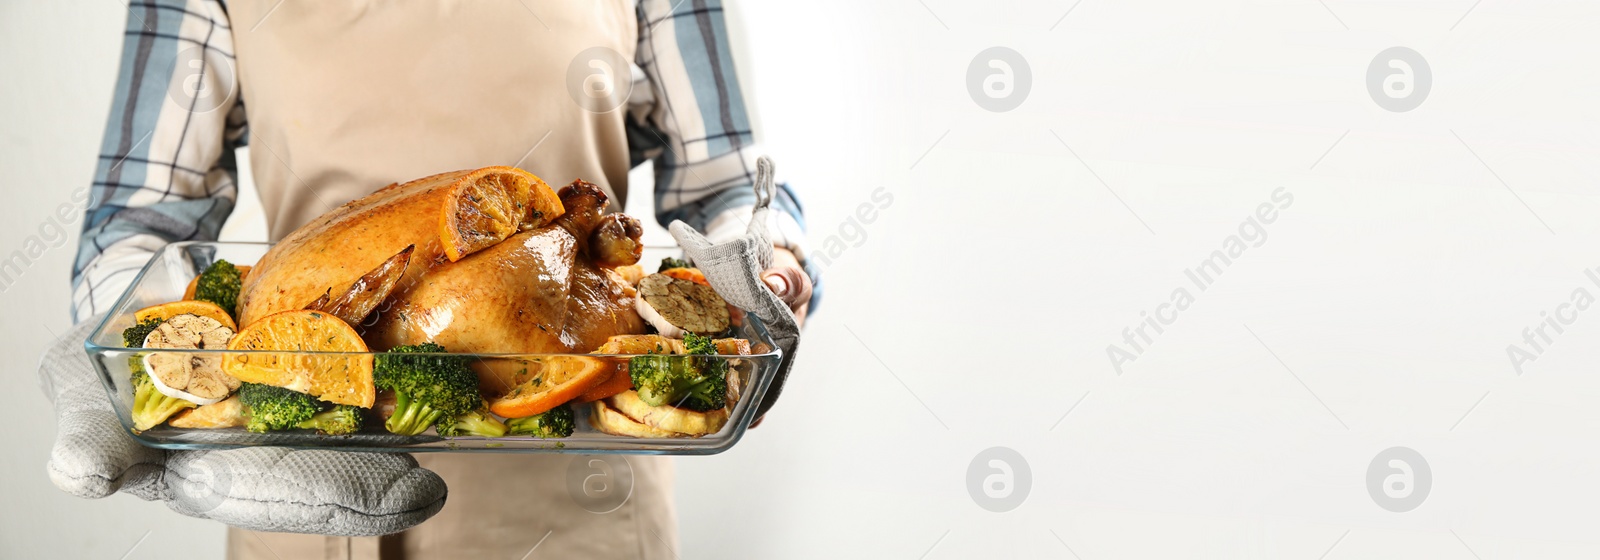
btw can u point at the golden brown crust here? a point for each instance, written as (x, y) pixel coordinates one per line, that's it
(367, 292)
(532, 291)
(338, 247)
(615, 242)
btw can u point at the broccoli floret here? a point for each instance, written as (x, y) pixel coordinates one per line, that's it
(150, 406)
(554, 423)
(133, 337)
(220, 284)
(669, 262)
(474, 423)
(694, 381)
(701, 345)
(341, 420)
(275, 408)
(427, 389)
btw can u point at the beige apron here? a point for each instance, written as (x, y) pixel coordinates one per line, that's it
(346, 97)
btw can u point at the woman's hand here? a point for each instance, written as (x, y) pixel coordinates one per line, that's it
(789, 281)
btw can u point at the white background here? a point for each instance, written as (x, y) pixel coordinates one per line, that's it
(977, 309)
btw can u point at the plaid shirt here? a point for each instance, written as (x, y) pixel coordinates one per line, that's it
(167, 172)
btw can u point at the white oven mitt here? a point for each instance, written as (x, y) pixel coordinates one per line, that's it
(258, 488)
(734, 270)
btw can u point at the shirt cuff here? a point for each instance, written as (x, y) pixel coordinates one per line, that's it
(110, 274)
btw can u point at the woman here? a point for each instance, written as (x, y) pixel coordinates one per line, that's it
(337, 99)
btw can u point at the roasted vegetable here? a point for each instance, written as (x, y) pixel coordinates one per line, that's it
(150, 407)
(657, 344)
(342, 419)
(476, 423)
(674, 306)
(670, 263)
(194, 377)
(669, 418)
(275, 408)
(228, 413)
(695, 381)
(133, 337)
(557, 422)
(427, 389)
(611, 421)
(220, 284)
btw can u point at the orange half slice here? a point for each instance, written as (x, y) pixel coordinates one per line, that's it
(191, 307)
(488, 205)
(340, 379)
(555, 380)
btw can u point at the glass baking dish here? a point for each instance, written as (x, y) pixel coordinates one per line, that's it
(167, 275)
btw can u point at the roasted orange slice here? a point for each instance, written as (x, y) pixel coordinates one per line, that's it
(488, 205)
(341, 379)
(616, 382)
(191, 307)
(690, 274)
(551, 382)
(630, 274)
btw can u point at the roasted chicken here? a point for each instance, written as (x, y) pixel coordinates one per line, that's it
(488, 260)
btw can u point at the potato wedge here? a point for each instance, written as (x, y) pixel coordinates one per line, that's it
(227, 413)
(608, 420)
(668, 418)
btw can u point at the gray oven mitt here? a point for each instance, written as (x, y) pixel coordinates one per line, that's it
(257, 488)
(734, 269)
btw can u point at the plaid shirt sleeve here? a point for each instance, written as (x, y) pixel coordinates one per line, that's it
(687, 114)
(166, 170)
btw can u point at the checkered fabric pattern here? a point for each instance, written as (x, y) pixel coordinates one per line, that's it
(167, 170)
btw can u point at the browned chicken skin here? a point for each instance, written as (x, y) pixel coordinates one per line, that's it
(540, 290)
(610, 240)
(616, 242)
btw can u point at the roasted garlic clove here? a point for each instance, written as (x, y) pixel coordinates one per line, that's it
(674, 305)
(197, 378)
